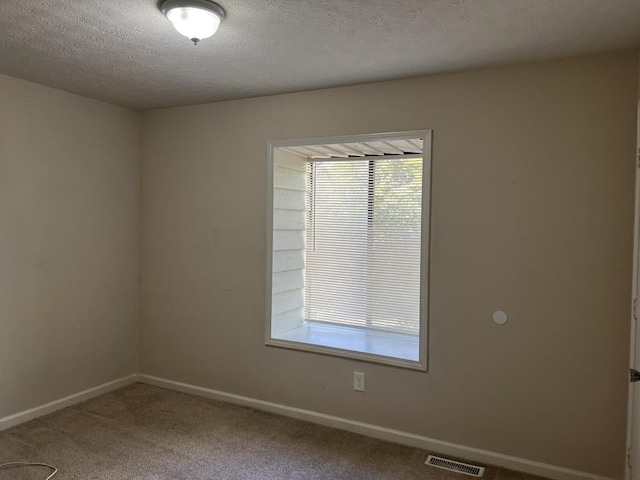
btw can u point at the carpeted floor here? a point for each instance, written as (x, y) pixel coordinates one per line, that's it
(145, 432)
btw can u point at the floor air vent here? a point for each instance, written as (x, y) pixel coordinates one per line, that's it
(454, 466)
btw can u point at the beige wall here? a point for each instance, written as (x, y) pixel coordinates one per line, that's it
(69, 221)
(533, 184)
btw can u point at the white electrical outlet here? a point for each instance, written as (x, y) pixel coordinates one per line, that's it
(358, 381)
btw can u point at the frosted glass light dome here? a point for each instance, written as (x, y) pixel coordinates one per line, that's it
(195, 19)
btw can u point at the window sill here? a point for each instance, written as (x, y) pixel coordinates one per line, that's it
(377, 347)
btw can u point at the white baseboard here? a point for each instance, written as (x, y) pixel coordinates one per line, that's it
(375, 431)
(382, 433)
(25, 416)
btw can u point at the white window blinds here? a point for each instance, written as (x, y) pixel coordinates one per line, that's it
(363, 238)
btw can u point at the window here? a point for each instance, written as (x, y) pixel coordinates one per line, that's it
(348, 244)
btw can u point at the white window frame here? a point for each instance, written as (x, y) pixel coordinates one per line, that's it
(421, 363)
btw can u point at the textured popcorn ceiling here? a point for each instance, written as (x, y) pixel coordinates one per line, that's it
(126, 52)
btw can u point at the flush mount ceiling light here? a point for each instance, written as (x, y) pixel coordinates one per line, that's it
(195, 19)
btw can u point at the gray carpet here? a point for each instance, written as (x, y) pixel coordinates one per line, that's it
(145, 432)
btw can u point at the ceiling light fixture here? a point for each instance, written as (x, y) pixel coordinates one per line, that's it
(195, 19)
